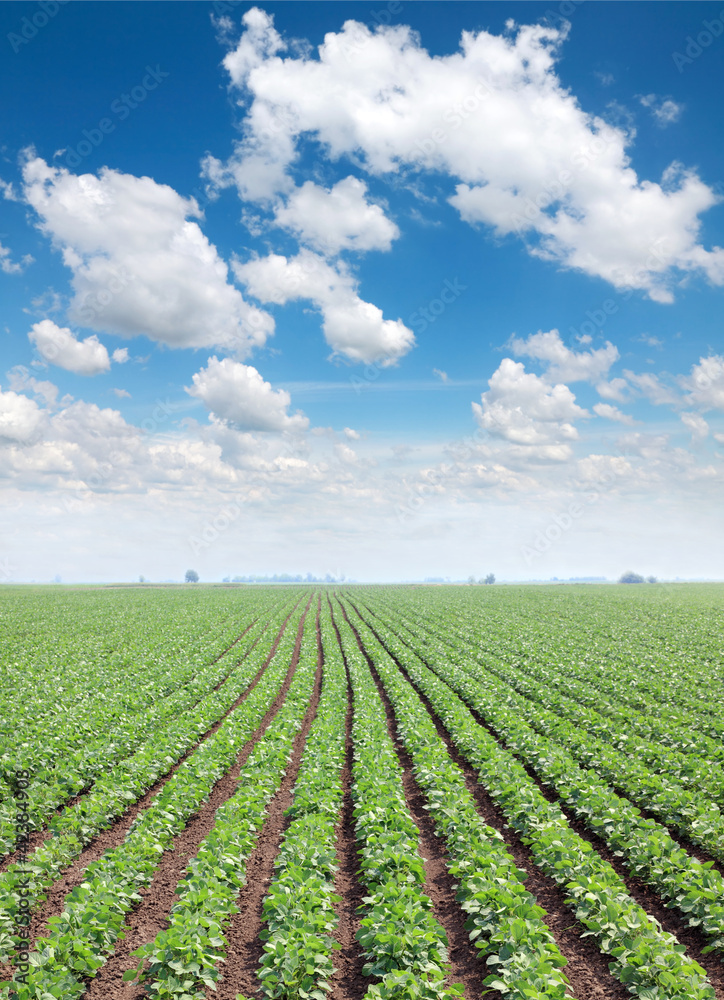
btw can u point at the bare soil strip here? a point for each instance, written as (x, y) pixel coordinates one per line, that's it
(38, 837)
(645, 896)
(348, 982)
(116, 834)
(145, 921)
(245, 947)
(440, 886)
(587, 967)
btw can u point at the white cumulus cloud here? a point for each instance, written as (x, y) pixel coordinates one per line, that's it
(524, 156)
(352, 327)
(139, 265)
(565, 365)
(337, 219)
(239, 395)
(58, 346)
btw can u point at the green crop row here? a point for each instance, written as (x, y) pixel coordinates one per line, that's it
(649, 961)
(112, 795)
(505, 922)
(184, 959)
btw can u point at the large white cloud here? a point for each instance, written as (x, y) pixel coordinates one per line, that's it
(525, 409)
(139, 265)
(59, 346)
(524, 156)
(238, 394)
(352, 327)
(337, 219)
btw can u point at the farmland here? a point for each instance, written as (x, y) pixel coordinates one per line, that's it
(363, 792)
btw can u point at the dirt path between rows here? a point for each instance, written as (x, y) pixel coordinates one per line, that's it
(244, 946)
(645, 896)
(150, 916)
(440, 885)
(348, 982)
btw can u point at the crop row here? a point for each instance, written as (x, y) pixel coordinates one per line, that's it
(505, 922)
(152, 830)
(405, 946)
(183, 960)
(76, 770)
(645, 846)
(649, 961)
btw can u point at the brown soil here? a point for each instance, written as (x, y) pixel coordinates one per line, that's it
(150, 916)
(587, 968)
(116, 834)
(244, 946)
(348, 982)
(645, 896)
(465, 965)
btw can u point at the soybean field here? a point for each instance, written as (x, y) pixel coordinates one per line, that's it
(362, 792)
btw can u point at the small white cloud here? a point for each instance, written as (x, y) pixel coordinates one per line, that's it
(565, 365)
(21, 419)
(351, 434)
(443, 376)
(705, 385)
(696, 424)
(120, 355)
(337, 219)
(605, 79)
(664, 110)
(239, 395)
(8, 265)
(614, 389)
(652, 389)
(613, 413)
(58, 346)
(121, 393)
(649, 340)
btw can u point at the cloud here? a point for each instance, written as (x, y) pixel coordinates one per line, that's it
(696, 424)
(139, 265)
(565, 365)
(21, 381)
(58, 346)
(336, 219)
(21, 419)
(652, 389)
(350, 434)
(122, 393)
(443, 376)
(352, 327)
(120, 355)
(613, 413)
(239, 395)
(615, 388)
(525, 158)
(705, 385)
(525, 409)
(8, 265)
(664, 110)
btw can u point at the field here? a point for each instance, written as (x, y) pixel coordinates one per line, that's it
(348, 792)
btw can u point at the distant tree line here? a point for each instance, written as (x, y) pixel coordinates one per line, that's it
(630, 577)
(286, 578)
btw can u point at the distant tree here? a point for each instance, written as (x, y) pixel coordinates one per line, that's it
(651, 579)
(630, 577)
(471, 579)
(192, 576)
(490, 578)
(142, 579)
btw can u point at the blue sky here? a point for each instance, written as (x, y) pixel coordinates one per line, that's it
(376, 289)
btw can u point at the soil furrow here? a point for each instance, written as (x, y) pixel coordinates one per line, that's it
(245, 947)
(645, 896)
(150, 916)
(38, 837)
(116, 833)
(348, 982)
(440, 886)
